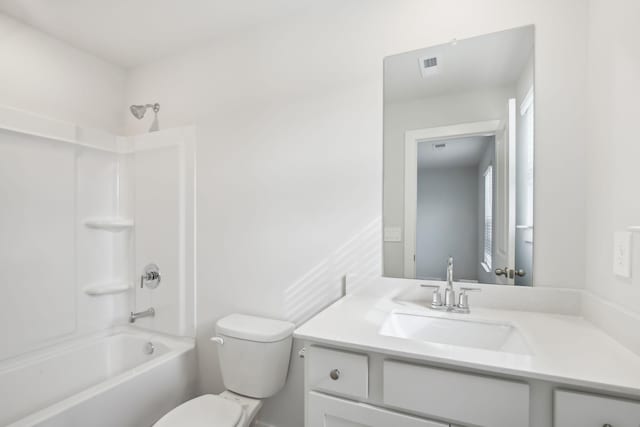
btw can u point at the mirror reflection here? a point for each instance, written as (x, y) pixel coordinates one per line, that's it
(458, 160)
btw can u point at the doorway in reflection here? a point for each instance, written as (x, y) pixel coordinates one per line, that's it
(454, 210)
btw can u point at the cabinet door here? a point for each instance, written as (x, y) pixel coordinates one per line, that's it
(574, 409)
(327, 411)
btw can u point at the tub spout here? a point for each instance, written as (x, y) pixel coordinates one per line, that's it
(147, 313)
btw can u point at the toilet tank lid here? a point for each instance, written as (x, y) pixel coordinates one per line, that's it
(254, 328)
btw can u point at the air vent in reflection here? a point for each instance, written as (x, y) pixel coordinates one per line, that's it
(430, 62)
(429, 65)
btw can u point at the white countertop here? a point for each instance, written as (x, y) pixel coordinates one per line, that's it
(564, 348)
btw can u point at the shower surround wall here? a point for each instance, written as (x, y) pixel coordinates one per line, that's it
(49, 189)
(83, 212)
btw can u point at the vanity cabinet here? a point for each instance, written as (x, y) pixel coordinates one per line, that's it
(587, 410)
(349, 388)
(352, 389)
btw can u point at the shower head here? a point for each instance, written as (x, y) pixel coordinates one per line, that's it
(138, 111)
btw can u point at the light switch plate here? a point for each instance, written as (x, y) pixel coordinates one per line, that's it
(622, 254)
(393, 234)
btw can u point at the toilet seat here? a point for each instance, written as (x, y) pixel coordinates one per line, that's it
(204, 411)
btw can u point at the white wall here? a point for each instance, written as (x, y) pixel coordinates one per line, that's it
(290, 151)
(613, 201)
(42, 75)
(487, 104)
(447, 221)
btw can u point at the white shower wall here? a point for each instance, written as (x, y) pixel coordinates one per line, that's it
(56, 176)
(161, 177)
(48, 188)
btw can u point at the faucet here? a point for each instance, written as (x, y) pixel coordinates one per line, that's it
(449, 293)
(147, 313)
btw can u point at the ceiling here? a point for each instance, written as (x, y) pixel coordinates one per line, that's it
(488, 61)
(132, 32)
(458, 152)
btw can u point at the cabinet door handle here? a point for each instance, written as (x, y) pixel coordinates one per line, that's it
(334, 374)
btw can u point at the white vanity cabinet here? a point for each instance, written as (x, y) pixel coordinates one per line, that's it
(352, 389)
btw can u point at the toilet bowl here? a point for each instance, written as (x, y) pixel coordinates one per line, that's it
(254, 357)
(220, 410)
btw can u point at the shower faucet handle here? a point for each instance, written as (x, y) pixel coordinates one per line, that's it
(150, 277)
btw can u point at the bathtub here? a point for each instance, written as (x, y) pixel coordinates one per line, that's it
(124, 377)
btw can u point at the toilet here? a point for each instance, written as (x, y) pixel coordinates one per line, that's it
(254, 359)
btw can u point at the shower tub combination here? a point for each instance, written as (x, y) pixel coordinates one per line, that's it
(124, 377)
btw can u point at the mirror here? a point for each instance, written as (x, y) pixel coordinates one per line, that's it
(458, 160)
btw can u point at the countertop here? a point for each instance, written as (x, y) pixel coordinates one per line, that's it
(565, 349)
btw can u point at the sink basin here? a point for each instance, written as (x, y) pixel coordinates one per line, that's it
(495, 336)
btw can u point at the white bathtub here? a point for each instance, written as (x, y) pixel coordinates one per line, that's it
(106, 380)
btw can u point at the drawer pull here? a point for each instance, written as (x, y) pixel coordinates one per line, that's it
(607, 425)
(334, 374)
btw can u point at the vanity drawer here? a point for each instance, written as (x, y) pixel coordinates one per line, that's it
(587, 410)
(338, 372)
(466, 398)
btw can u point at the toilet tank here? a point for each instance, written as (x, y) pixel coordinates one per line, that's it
(254, 354)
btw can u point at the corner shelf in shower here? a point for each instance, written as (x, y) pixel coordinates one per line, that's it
(109, 288)
(109, 223)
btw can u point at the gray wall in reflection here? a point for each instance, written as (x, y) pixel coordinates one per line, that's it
(447, 222)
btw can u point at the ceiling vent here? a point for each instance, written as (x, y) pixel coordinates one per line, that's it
(428, 65)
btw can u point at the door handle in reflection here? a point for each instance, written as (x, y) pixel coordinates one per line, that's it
(510, 272)
(502, 272)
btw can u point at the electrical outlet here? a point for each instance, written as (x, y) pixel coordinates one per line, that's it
(393, 234)
(622, 254)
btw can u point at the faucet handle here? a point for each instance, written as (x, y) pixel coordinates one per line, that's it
(436, 298)
(463, 298)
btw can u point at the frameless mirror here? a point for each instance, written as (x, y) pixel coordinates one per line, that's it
(458, 160)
